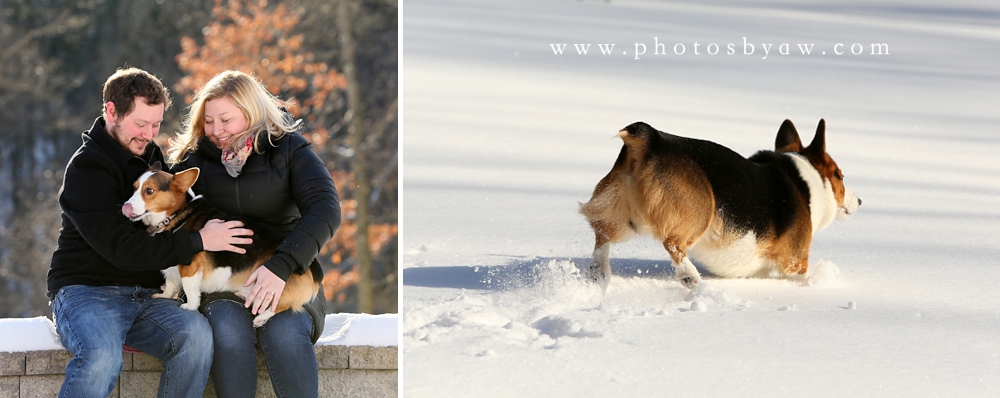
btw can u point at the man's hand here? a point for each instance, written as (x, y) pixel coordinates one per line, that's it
(218, 235)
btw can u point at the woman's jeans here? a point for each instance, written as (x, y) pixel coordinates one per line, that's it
(284, 340)
(95, 321)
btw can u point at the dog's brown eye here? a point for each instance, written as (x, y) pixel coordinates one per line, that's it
(149, 191)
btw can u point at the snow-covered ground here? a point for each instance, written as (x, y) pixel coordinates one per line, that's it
(39, 333)
(503, 137)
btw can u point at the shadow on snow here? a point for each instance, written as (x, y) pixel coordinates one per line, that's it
(524, 272)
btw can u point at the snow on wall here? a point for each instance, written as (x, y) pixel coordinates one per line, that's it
(36, 334)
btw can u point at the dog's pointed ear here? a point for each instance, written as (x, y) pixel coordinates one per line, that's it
(818, 145)
(788, 138)
(185, 179)
(156, 166)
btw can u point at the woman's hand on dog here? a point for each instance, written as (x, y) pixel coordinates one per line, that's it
(266, 292)
(218, 235)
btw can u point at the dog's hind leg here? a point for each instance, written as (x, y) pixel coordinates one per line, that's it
(606, 233)
(265, 315)
(609, 214)
(600, 268)
(261, 319)
(299, 290)
(687, 274)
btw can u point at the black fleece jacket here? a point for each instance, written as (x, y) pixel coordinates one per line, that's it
(286, 188)
(97, 245)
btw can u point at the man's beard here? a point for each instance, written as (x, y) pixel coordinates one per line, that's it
(116, 132)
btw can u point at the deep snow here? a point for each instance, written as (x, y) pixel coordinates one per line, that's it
(502, 139)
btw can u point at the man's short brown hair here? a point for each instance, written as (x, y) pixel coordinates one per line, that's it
(126, 84)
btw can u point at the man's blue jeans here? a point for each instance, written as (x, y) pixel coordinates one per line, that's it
(284, 340)
(95, 321)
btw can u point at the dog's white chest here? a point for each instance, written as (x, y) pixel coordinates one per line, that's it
(216, 281)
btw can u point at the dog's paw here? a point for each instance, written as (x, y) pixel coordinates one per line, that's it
(689, 281)
(190, 306)
(261, 319)
(595, 275)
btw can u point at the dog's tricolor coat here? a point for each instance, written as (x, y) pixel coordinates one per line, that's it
(163, 203)
(737, 217)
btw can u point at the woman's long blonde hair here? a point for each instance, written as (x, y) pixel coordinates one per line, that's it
(261, 109)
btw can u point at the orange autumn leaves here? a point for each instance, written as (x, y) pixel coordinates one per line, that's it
(343, 245)
(255, 39)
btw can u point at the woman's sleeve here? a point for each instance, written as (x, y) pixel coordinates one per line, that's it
(316, 197)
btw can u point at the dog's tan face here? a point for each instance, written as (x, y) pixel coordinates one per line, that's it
(158, 195)
(847, 201)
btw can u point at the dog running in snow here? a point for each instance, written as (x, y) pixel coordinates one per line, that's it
(736, 217)
(164, 202)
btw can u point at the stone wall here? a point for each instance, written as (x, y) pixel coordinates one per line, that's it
(344, 371)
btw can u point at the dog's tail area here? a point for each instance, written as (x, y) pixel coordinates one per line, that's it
(300, 289)
(608, 211)
(638, 135)
(588, 208)
(609, 194)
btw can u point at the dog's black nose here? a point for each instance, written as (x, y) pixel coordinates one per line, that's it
(859, 201)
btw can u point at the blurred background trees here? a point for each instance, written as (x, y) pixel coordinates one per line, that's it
(57, 54)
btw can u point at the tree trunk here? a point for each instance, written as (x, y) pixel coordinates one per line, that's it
(359, 161)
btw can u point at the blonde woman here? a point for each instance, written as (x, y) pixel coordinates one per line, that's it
(255, 165)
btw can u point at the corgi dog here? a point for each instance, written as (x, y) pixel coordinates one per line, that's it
(736, 217)
(165, 202)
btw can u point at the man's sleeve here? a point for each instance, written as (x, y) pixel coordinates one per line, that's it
(90, 199)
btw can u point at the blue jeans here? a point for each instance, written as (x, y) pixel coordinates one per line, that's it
(284, 340)
(95, 321)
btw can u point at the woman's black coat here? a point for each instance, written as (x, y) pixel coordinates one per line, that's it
(286, 188)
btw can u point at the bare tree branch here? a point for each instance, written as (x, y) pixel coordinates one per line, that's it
(377, 130)
(382, 177)
(18, 85)
(64, 21)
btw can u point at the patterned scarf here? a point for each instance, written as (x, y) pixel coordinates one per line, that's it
(234, 159)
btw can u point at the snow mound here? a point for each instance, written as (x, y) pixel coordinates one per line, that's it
(822, 273)
(28, 334)
(360, 329)
(558, 326)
